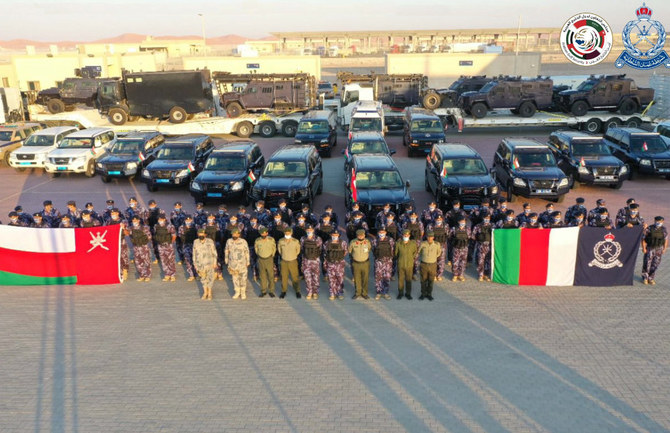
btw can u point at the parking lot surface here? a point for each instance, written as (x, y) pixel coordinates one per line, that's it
(481, 358)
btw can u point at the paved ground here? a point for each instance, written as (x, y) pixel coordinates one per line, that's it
(480, 358)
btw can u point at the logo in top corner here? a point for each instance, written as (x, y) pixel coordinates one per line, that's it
(643, 40)
(586, 39)
(606, 253)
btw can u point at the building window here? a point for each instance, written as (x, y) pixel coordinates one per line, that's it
(34, 85)
(5, 82)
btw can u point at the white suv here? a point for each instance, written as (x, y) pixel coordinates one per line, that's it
(33, 153)
(78, 152)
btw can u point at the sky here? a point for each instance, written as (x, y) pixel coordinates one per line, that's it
(86, 20)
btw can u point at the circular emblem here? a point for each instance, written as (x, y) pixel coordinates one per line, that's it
(586, 39)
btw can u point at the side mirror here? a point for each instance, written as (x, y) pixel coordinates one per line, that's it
(407, 184)
(392, 152)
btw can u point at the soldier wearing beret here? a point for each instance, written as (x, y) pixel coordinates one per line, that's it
(428, 253)
(289, 250)
(405, 254)
(359, 249)
(265, 248)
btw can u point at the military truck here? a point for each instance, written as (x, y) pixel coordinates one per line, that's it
(394, 90)
(523, 96)
(610, 92)
(275, 93)
(449, 97)
(81, 89)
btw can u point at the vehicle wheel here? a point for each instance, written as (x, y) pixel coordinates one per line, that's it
(105, 179)
(572, 182)
(234, 109)
(267, 129)
(627, 107)
(431, 100)
(320, 190)
(310, 202)
(631, 172)
(244, 129)
(289, 128)
(117, 116)
(5, 158)
(592, 125)
(438, 199)
(510, 193)
(613, 122)
(55, 106)
(579, 108)
(328, 153)
(245, 198)
(90, 169)
(426, 185)
(633, 122)
(478, 110)
(560, 198)
(151, 188)
(527, 109)
(617, 185)
(55, 175)
(177, 115)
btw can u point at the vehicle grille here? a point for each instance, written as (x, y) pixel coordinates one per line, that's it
(163, 174)
(276, 194)
(216, 187)
(25, 156)
(662, 163)
(60, 161)
(605, 171)
(472, 191)
(541, 184)
(115, 167)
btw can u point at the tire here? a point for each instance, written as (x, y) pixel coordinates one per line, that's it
(510, 193)
(151, 188)
(431, 100)
(478, 110)
(426, 185)
(328, 153)
(117, 116)
(105, 179)
(631, 172)
(55, 106)
(5, 158)
(267, 129)
(633, 122)
(612, 122)
(627, 107)
(527, 109)
(572, 182)
(579, 108)
(289, 128)
(320, 190)
(244, 129)
(592, 125)
(617, 185)
(245, 198)
(234, 109)
(90, 169)
(177, 115)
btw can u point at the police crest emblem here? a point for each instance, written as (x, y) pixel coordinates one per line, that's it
(646, 51)
(606, 253)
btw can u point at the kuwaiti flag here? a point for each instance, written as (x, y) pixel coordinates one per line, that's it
(535, 257)
(35, 256)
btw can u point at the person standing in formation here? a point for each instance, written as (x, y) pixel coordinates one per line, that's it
(265, 248)
(140, 236)
(164, 239)
(654, 245)
(335, 251)
(204, 260)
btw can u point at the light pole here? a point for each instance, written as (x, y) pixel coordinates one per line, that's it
(202, 27)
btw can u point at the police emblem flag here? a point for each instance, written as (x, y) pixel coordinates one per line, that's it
(607, 257)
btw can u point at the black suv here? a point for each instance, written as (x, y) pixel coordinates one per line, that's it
(528, 168)
(641, 151)
(229, 172)
(178, 161)
(373, 181)
(586, 158)
(523, 97)
(365, 142)
(129, 155)
(318, 128)
(421, 129)
(457, 171)
(293, 173)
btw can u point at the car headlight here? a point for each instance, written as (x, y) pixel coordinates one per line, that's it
(440, 140)
(519, 182)
(583, 170)
(195, 186)
(182, 173)
(494, 190)
(563, 182)
(145, 173)
(325, 140)
(237, 186)
(414, 141)
(131, 166)
(623, 169)
(645, 162)
(298, 142)
(98, 165)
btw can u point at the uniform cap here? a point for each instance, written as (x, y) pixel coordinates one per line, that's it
(533, 215)
(177, 203)
(360, 232)
(659, 218)
(262, 230)
(132, 199)
(88, 204)
(18, 208)
(288, 230)
(381, 230)
(203, 231)
(114, 210)
(261, 202)
(86, 212)
(556, 214)
(72, 203)
(634, 206)
(110, 201)
(630, 200)
(233, 231)
(406, 232)
(580, 200)
(47, 203)
(485, 201)
(430, 234)
(199, 204)
(13, 214)
(600, 201)
(152, 201)
(37, 214)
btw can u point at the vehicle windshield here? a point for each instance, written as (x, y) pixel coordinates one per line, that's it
(226, 162)
(648, 144)
(75, 143)
(5, 135)
(366, 124)
(535, 159)
(465, 167)
(455, 85)
(313, 127)
(127, 147)
(590, 148)
(378, 180)
(586, 85)
(427, 126)
(325, 86)
(176, 153)
(488, 86)
(358, 147)
(39, 140)
(285, 169)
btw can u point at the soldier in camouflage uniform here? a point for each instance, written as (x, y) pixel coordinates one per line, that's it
(416, 234)
(441, 232)
(73, 213)
(334, 252)
(482, 234)
(328, 211)
(177, 218)
(50, 215)
(242, 218)
(251, 234)
(38, 222)
(222, 217)
(654, 245)
(428, 216)
(285, 213)
(355, 208)
(574, 210)
(95, 215)
(200, 215)
(204, 260)
(237, 260)
(134, 209)
(14, 220)
(277, 230)
(87, 220)
(115, 218)
(65, 222)
(187, 233)
(630, 217)
(107, 214)
(213, 232)
(263, 215)
(382, 249)
(556, 220)
(594, 214)
(24, 217)
(140, 236)
(150, 218)
(380, 218)
(265, 249)
(508, 222)
(311, 247)
(164, 236)
(459, 236)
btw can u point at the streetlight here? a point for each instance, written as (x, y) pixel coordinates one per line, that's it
(202, 26)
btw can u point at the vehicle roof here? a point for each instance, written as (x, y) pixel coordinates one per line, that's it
(572, 134)
(236, 147)
(367, 136)
(88, 132)
(420, 112)
(633, 131)
(370, 162)
(520, 143)
(292, 152)
(318, 114)
(140, 134)
(55, 130)
(456, 150)
(187, 139)
(15, 126)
